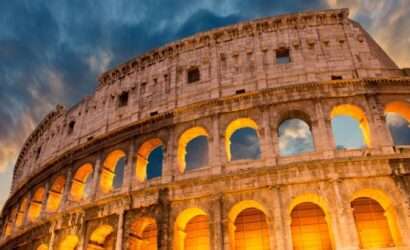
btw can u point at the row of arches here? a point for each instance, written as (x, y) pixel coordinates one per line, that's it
(249, 226)
(241, 142)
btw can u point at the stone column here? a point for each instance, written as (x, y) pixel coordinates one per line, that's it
(52, 235)
(120, 229)
(379, 131)
(280, 233)
(345, 229)
(66, 191)
(25, 220)
(96, 176)
(268, 153)
(322, 131)
(129, 171)
(214, 146)
(43, 212)
(169, 167)
(216, 224)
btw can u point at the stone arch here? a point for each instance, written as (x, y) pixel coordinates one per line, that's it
(247, 222)
(81, 181)
(110, 170)
(143, 234)
(303, 209)
(387, 205)
(186, 137)
(294, 127)
(70, 242)
(101, 238)
(184, 226)
(143, 153)
(36, 204)
(55, 194)
(400, 112)
(356, 113)
(22, 211)
(233, 127)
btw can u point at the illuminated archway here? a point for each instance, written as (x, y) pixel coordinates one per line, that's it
(70, 242)
(36, 204)
(233, 128)
(295, 137)
(398, 121)
(81, 182)
(55, 194)
(381, 212)
(248, 226)
(101, 238)
(357, 114)
(143, 235)
(183, 141)
(112, 172)
(143, 155)
(22, 211)
(303, 209)
(192, 230)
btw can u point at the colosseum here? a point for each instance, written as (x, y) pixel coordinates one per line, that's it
(84, 178)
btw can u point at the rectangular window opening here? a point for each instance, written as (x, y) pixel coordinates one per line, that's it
(240, 91)
(337, 77)
(282, 56)
(123, 99)
(193, 75)
(154, 113)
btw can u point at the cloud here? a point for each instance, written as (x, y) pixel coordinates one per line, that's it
(295, 137)
(387, 21)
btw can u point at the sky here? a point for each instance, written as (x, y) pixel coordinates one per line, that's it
(51, 52)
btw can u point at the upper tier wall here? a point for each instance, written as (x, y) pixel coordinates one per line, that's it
(240, 57)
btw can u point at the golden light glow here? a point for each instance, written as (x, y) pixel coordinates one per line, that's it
(251, 230)
(108, 170)
(143, 234)
(233, 214)
(234, 126)
(309, 228)
(357, 114)
(389, 212)
(55, 194)
(21, 211)
(143, 154)
(183, 141)
(42, 247)
(399, 107)
(35, 204)
(100, 234)
(80, 180)
(70, 242)
(183, 237)
(371, 224)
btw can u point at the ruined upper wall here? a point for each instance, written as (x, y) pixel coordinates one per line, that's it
(234, 59)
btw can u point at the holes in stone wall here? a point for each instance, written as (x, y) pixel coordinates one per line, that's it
(123, 99)
(193, 75)
(282, 56)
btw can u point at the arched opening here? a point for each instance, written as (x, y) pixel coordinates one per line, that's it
(22, 211)
(55, 194)
(42, 247)
(149, 160)
(309, 227)
(82, 182)
(192, 149)
(248, 226)
(295, 137)
(70, 242)
(36, 204)
(397, 118)
(375, 216)
(192, 230)
(371, 223)
(242, 140)
(112, 173)
(350, 127)
(143, 234)
(102, 238)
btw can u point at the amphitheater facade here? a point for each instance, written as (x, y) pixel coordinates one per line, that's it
(69, 193)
